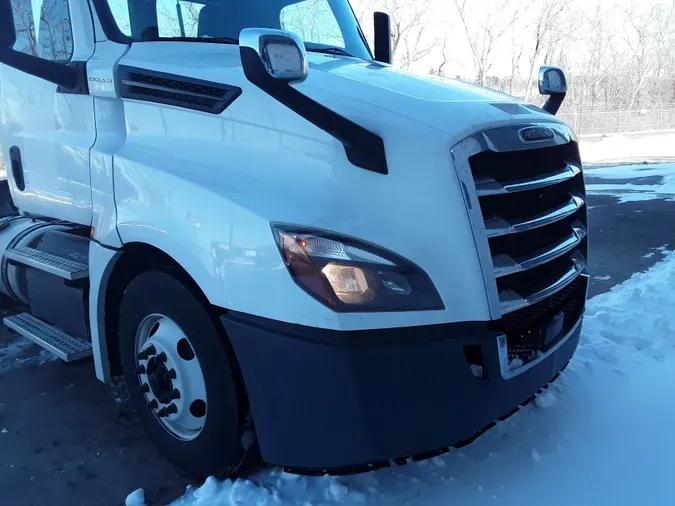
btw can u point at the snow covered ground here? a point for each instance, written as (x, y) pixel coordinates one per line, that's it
(632, 183)
(621, 148)
(602, 434)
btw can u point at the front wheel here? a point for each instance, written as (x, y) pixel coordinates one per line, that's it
(179, 376)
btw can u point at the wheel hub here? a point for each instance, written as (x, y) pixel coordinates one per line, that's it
(170, 377)
(161, 384)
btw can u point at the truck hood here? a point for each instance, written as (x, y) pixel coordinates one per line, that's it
(450, 105)
(349, 86)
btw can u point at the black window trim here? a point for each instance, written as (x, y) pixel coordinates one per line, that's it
(107, 20)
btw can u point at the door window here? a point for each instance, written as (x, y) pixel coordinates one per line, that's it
(43, 29)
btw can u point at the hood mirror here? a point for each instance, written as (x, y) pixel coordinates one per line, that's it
(281, 53)
(552, 82)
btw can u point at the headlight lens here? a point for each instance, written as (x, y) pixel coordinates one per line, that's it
(350, 275)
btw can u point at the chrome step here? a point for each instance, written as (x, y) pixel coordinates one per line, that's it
(504, 265)
(62, 267)
(489, 186)
(56, 341)
(510, 301)
(495, 226)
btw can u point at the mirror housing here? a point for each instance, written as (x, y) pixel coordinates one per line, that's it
(7, 31)
(552, 82)
(281, 53)
(382, 37)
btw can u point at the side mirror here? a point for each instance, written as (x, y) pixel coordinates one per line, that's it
(552, 82)
(7, 32)
(382, 37)
(282, 54)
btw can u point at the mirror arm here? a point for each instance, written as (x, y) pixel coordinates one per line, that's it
(553, 103)
(63, 75)
(363, 148)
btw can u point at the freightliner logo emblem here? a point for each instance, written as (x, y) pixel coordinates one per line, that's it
(536, 134)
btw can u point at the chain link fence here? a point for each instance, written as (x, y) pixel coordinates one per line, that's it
(603, 121)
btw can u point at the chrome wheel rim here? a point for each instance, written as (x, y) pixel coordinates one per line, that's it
(170, 377)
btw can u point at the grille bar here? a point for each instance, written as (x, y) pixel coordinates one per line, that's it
(510, 301)
(496, 226)
(489, 186)
(505, 265)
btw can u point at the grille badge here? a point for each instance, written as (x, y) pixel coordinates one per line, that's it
(536, 134)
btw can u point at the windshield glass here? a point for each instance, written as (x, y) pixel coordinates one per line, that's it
(323, 24)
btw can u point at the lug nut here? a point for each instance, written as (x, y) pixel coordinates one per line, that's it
(175, 394)
(162, 413)
(152, 404)
(140, 369)
(144, 388)
(147, 353)
(172, 374)
(171, 409)
(161, 357)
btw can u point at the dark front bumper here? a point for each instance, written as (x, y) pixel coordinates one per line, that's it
(325, 399)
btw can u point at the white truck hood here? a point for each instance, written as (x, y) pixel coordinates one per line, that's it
(450, 105)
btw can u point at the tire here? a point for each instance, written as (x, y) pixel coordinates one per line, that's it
(216, 449)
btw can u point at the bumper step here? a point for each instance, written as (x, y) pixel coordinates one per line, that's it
(62, 267)
(66, 347)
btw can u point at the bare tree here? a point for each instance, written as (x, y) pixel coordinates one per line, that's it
(546, 34)
(487, 31)
(645, 35)
(439, 70)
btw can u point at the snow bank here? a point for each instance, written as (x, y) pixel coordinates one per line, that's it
(602, 434)
(136, 498)
(662, 186)
(650, 146)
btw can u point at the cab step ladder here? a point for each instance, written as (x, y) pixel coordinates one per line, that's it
(62, 267)
(67, 348)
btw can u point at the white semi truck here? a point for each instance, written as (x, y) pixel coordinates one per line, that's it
(281, 242)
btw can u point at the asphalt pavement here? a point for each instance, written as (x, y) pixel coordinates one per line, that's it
(67, 439)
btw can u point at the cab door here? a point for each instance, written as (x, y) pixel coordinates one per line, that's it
(47, 131)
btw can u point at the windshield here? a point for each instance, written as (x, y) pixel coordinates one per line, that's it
(324, 25)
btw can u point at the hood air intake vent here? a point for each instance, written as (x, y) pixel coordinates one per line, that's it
(179, 91)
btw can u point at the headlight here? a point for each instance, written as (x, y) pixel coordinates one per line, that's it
(350, 275)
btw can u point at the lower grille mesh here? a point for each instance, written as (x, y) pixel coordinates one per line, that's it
(525, 329)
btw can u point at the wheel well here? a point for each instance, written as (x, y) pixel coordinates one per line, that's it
(137, 258)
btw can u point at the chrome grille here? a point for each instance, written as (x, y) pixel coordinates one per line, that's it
(532, 202)
(529, 215)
